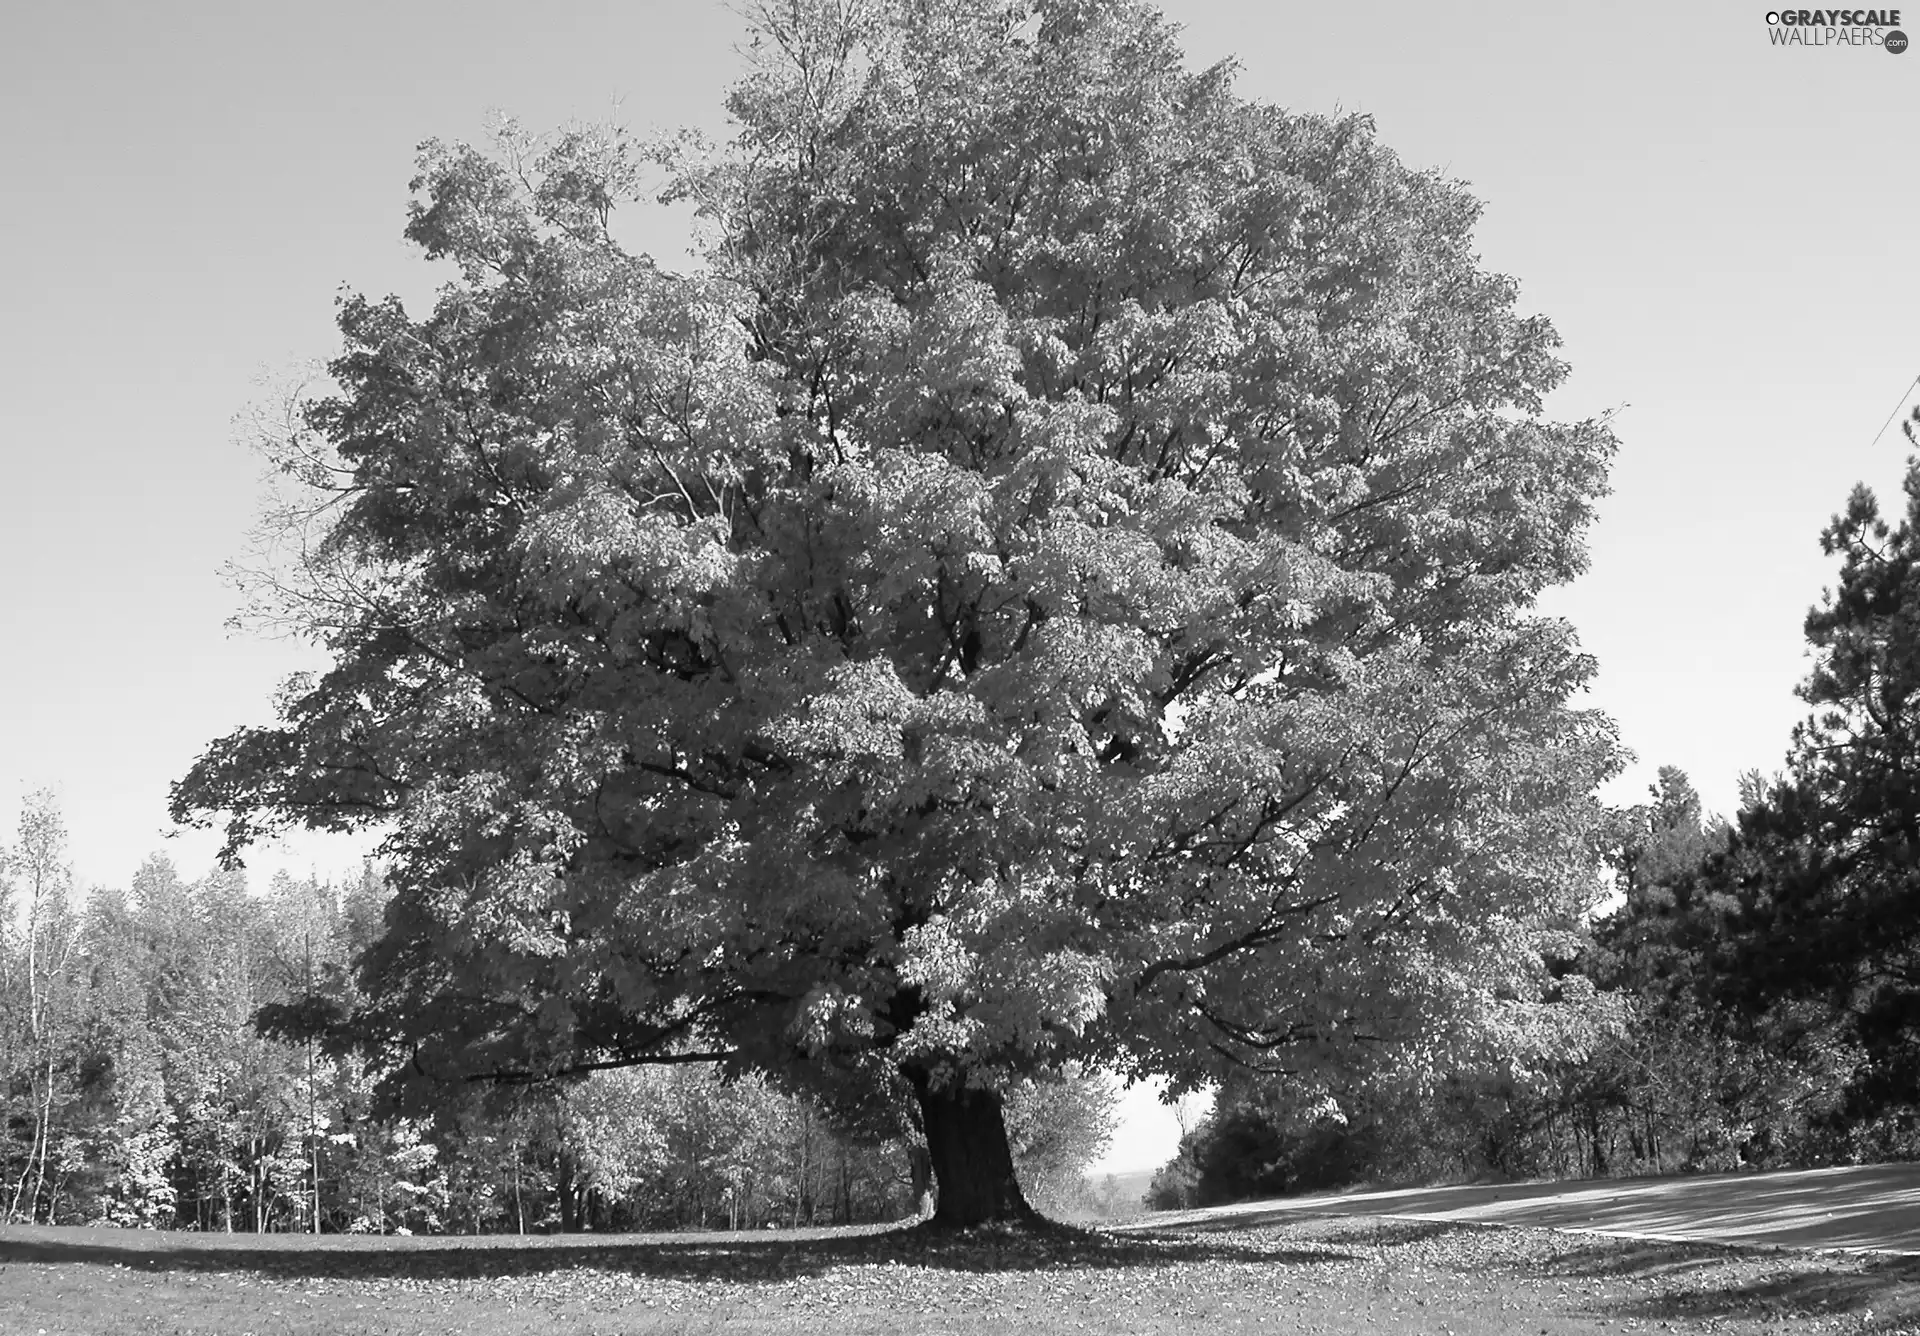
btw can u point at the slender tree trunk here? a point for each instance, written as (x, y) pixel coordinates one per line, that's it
(569, 1208)
(920, 1178)
(46, 1139)
(972, 1164)
(519, 1211)
(20, 1184)
(36, 1157)
(38, 1043)
(313, 1128)
(801, 1195)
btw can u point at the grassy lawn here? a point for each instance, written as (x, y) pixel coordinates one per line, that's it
(1346, 1277)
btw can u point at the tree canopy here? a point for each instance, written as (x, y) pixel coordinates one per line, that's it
(1826, 864)
(1056, 584)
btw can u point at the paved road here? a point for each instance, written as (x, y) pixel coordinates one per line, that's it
(1873, 1208)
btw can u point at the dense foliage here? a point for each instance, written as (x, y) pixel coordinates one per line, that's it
(1055, 587)
(135, 1091)
(1769, 967)
(1827, 870)
(1689, 1082)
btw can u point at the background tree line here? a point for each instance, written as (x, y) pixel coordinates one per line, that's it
(1766, 966)
(138, 1090)
(1689, 1083)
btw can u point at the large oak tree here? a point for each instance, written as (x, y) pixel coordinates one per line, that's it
(1055, 585)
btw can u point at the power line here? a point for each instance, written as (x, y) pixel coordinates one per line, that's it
(1905, 391)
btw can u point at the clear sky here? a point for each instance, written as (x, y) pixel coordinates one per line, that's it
(1720, 227)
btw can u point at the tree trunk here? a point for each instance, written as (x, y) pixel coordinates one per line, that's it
(920, 1179)
(972, 1165)
(313, 1126)
(569, 1208)
(843, 1203)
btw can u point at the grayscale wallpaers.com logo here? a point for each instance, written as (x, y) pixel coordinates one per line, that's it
(1837, 27)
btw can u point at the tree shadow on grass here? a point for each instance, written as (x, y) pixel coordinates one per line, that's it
(1650, 1259)
(1373, 1233)
(739, 1257)
(1362, 1231)
(1682, 1281)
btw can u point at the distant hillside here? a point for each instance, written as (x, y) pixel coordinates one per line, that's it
(1116, 1196)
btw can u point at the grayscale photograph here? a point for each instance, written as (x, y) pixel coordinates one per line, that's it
(959, 666)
